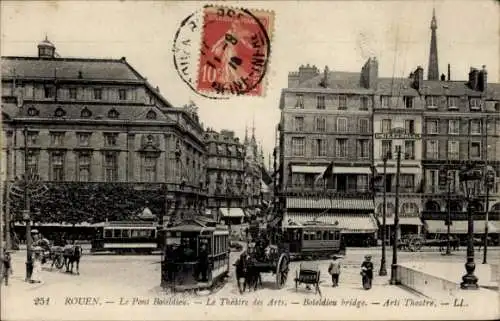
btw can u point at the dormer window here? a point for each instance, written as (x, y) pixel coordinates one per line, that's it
(113, 113)
(60, 112)
(86, 113)
(151, 114)
(32, 111)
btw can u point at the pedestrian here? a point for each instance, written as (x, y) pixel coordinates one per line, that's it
(37, 267)
(334, 270)
(7, 266)
(367, 272)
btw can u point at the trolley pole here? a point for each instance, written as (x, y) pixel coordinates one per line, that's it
(383, 269)
(26, 216)
(394, 266)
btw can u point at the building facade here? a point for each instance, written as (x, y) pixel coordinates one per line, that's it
(95, 128)
(225, 175)
(254, 162)
(327, 117)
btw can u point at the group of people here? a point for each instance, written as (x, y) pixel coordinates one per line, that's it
(185, 253)
(366, 271)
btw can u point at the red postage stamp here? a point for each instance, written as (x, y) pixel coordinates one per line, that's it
(235, 50)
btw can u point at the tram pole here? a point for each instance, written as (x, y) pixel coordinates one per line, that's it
(394, 266)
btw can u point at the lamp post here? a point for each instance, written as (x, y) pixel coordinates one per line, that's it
(445, 181)
(26, 212)
(383, 269)
(394, 266)
(470, 179)
(489, 180)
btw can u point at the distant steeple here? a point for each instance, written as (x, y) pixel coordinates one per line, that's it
(433, 71)
(246, 135)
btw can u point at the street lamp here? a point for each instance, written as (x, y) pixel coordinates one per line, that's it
(470, 180)
(394, 265)
(489, 182)
(383, 269)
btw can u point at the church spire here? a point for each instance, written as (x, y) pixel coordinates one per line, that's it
(433, 71)
(246, 135)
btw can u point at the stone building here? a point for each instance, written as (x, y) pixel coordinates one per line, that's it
(327, 117)
(225, 175)
(97, 126)
(254, 161)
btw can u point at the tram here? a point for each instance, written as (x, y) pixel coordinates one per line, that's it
(196, 256)
(313, 239)
(125, 237)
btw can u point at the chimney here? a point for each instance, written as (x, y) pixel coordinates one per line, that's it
(473, 78)
(418, 78)
(483, 79)
(449, 72)
(369, 73)
(307, 72)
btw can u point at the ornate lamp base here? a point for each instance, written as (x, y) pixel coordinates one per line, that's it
(469, 280)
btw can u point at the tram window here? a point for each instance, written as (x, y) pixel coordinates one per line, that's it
(325, 235)
(331, 235)
(126, 233)
(318, 235)
(337, 235)
(108, 233)
(117, 233)
(306, 236)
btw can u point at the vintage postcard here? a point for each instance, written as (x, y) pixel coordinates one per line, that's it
(272, 160)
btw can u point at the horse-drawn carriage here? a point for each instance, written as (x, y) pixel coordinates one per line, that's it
(308, 274)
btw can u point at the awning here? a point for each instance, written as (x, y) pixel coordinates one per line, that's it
(232, 212)
(405, 170)
(336, 169)
(349, 223)
(326, 203)
(410, 220)
(460, 227)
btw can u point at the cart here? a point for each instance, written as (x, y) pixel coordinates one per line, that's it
(308, 274)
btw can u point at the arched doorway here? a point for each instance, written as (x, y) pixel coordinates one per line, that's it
(456, 206)
(495, 207)
(432, 206)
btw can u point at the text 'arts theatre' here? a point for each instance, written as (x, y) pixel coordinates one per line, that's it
(339, 130)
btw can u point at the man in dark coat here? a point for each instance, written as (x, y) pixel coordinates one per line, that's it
(203, 262)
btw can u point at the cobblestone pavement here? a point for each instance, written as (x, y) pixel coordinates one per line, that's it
(110, 278)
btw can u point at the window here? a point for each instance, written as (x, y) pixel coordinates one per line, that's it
(57, 139)
(72, 93)
(151, 115)
(387, 148)
(475, 150)
(363, 125)
(110, 167)
(57, 166)
(299, 124)
(122, 94)
(452, 102)
(363, 151)
(475, 127)
(150, 168)
(97, 93)
(113, 113)
(341, 147)
(32, 162)
(320, 102)
(32, 138)
(475, 103)
(432, 101)
(32, 111)
(409, 149)
(362, 185)
(453, 149)
(407, 181)
(432, 127)
(321, 147)
(432, 179)
(384, 101)
(299, 103)
(59, 112)
(408, 101)
(49, 91)
(364, 103)
(342, 124)
(386, 125)
(298, 146)
(86, 113)
(342, 102)
(321, 124)
(432, 149)
(410, 126)
(84, 167)
(84, 139)
(454, 126)
(110, 139)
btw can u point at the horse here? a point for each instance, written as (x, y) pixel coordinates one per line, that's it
(246, 270)
(72, 254)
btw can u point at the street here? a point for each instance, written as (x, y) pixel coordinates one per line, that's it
(111, 278)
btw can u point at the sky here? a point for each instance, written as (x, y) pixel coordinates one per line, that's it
(339, 34)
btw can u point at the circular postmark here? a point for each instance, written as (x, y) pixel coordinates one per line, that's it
(220, 51)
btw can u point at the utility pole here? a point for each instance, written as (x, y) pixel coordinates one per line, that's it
(394, 265)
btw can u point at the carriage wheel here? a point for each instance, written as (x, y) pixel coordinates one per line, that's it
(282, 271)
(59, 261)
